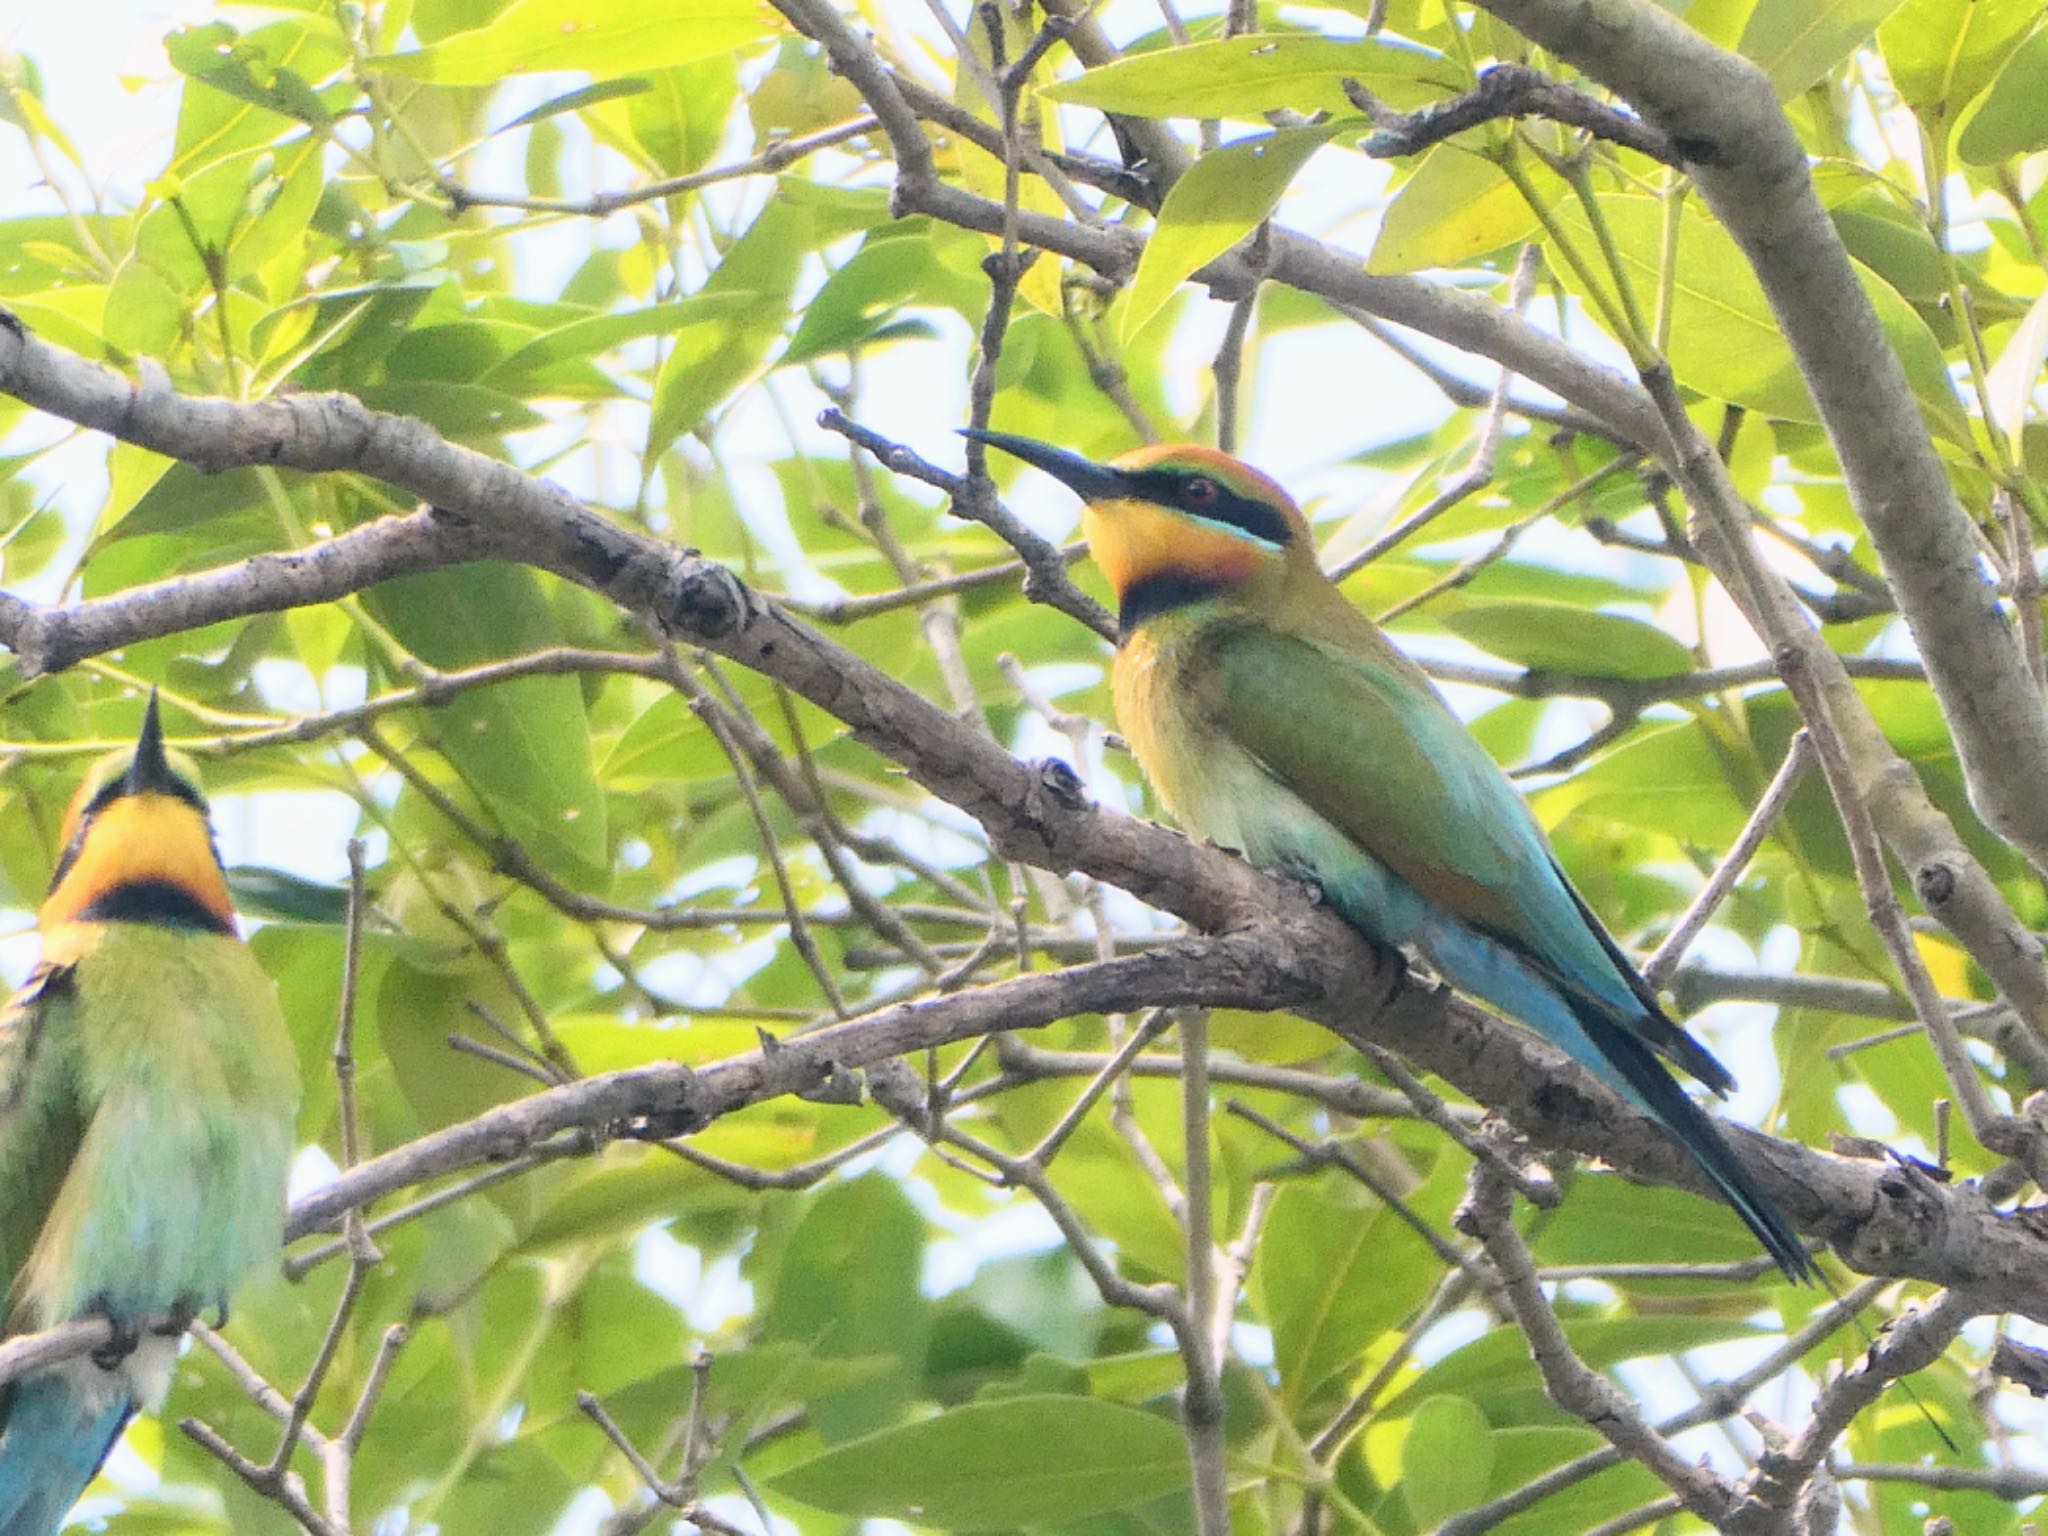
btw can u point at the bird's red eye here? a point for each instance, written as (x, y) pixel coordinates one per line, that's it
(1201, 491)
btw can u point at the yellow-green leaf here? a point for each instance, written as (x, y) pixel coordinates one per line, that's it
(1796, 42)
(1447, 1459)
(1456, 206)
(1021, 1461)
(1246, 77)
(1565, 636)
(532, 36)
(2011, 120)
(1221, 199)
(1941, 53)
(1725, 342)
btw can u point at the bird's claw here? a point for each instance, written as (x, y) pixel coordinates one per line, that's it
(178, 1317)
(1057, 778)
(126, 1338)
(1305, 877)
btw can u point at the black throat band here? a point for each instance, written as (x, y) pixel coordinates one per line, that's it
(163, 903)
(1163, 592)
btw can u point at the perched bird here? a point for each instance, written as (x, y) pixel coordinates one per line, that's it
(148, 1095)
(1274, 718)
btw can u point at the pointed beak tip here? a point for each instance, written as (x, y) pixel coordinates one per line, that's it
(150, 767)
(1090, 481)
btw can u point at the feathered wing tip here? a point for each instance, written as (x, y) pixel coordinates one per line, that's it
(54, 1437)
(1658, 1093)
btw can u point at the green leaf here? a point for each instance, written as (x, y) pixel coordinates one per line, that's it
(546, 36)
(1456, 207)
(1796, 42)
(1521, 1454)
(894, 266)
(216, 53)
(1569, 638)
(144, 313)
(848, 1287)
(1498, 1363)
(709, 361)
(1725, 342)
(576, 101)
(596, 335)
(416, 1011)
(1222, 198)
(260, 891)
(1246, 77)
(1609, 1220)
(1941, 53)
(2011, 120)
(1446, 1460)
(1021, 1461)
(455, 408)
(524, 744)
(678, 121)
(1334, 1276)
(1895, 245)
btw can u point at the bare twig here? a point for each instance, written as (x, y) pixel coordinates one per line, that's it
(1798, 757)
(1505, 90)
(1570, 1383)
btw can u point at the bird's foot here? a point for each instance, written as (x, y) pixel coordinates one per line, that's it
(1305, 877)
(1057, 778)
(178, 1317)
(126, 1337)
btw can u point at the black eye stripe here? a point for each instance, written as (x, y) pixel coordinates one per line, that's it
(116, 788)
(1168, 487)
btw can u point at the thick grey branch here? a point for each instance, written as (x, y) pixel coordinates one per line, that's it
(1722, 115)
(1244, 969)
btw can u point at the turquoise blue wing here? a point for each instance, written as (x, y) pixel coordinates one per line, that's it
(1360, 736)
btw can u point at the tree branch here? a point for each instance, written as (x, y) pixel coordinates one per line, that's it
(1721, 114)
(1505, 90)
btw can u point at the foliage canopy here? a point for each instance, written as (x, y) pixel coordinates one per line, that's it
(1646, 527)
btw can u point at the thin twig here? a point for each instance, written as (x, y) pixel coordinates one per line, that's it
(1791, 772)
(1505, 90)
(777, 155)
(1487, 1214)
(1046, 580)
(1207, 1313)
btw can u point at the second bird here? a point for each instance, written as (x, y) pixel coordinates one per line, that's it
(148, 1097)
(1274, 718)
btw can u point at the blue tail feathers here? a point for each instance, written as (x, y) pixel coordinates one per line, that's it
(1615, 1037)
(55, 1431)
(1652, 1088)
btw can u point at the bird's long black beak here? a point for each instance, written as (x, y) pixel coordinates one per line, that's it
(150, 770)
(1085, 478)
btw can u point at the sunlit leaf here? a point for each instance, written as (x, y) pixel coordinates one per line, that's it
(1796, 42)
(532, 36)
(1246, 77)
(1221, 199)
(1027, 1460)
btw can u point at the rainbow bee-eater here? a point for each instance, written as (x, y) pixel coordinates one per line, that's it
(1275, 719)
(148, 1095)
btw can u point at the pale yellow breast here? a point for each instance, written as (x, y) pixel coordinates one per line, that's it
(1197, 774)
